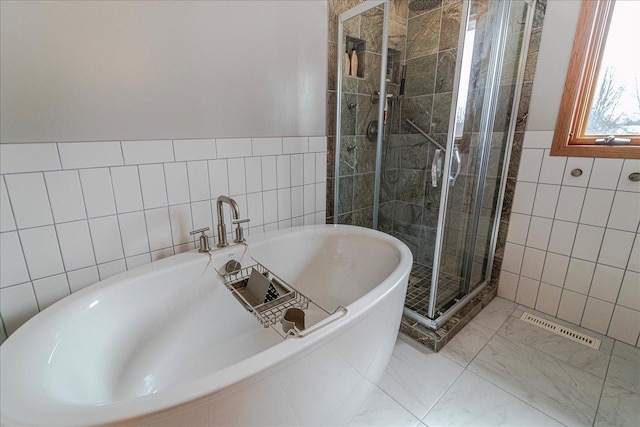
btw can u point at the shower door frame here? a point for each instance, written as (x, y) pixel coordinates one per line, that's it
(345, 16)
(434, 321)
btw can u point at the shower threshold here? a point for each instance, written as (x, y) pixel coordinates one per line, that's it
(419, 290)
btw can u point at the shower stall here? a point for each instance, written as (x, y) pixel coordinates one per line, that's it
(424, 127)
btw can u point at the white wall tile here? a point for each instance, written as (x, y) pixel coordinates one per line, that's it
(75, 244)
(186, 247)
(605, 173)
(51, 290)
(587, 242)
(295, 145)
(269, 173)
(616, 248)
(284, 204)
(218, 179)
(571, 306)
(41, 251)
(253, 170)
(584, 164)
(555, 269)
(126, 188)
(194, 149)
(309, 168)
(321, 217)
(17, 305)
(625, 325)
(318, 144)
(597, 315)
(321, 167)
(552, 169)
(596, 208)
(181, 226)
(309, 219)
(634, 259)
(202, 217)
(630, 291)
(321, 197)
(255, 209)
(309, 199)
(163, 253)
(527, 291)
(13, 269)
(112, 268)
(237, 177)
(133, 231)
(518, 228)
(284, 171)
(98, 192)
(579, 276)
(532, 263)
(285, 224)
(141, 152)
(530, 164)
(570, 203)
(82, 278)
(523, 198)
(297, 221)
(29, 199)
(65, 195)
(137, 261)
(625, 212)
(297, 202)
(77, 155)
(266, 146)
(154, 190)
(546, 200)
(508, 285)
(177, 183)
(606, 283)
(159, 228)
(18, 158)
(236, 147)
(297, 170)
(512, 260)
(539, 232)
(562, 236)
(198, 181)
(537, 139)
(270, 206)
(6, 213)
(630, 166)
(548, 299)
(105, 234)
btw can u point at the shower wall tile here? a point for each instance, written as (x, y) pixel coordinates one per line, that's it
(75, 227)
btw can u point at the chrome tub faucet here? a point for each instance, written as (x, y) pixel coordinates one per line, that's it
(222, 228)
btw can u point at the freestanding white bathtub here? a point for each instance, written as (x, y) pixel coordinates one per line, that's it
(168, 344)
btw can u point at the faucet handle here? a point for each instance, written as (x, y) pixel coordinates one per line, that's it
(240, 221)
(204, 239)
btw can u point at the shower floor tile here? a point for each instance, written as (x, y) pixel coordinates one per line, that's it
(497, 372)
(419, 288)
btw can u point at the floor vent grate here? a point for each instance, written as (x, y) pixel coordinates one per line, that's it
(561, 330)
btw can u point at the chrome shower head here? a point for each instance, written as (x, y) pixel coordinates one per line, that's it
(424, 5)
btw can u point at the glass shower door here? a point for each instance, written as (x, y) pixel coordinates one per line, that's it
(478, 135)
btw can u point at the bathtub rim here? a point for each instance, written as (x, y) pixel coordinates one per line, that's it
(225, 380)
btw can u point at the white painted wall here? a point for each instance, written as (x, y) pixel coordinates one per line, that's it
(573, 249)
(102, 70)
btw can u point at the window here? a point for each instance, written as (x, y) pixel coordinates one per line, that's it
(600, 108)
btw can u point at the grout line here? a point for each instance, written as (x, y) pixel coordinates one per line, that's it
(86, 212)
(144, 217)
(117, 221)
(55, 230)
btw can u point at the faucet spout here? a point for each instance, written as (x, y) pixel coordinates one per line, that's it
(222, 228)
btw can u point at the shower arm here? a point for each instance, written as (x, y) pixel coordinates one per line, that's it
(426, 135)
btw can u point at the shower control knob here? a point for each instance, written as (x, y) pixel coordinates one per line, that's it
(576, 172)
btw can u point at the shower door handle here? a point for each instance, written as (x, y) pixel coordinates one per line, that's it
(456, 158)
(436, 168)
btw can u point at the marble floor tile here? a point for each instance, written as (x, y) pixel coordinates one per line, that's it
(624, 369)
(467, 343)
(494, 314)
(416, 377)
(579, 355)
(381, 410)
(474, 401)
(618, 407)
(562, 391)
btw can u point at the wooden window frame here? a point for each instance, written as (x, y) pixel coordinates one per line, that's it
(579, 89)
